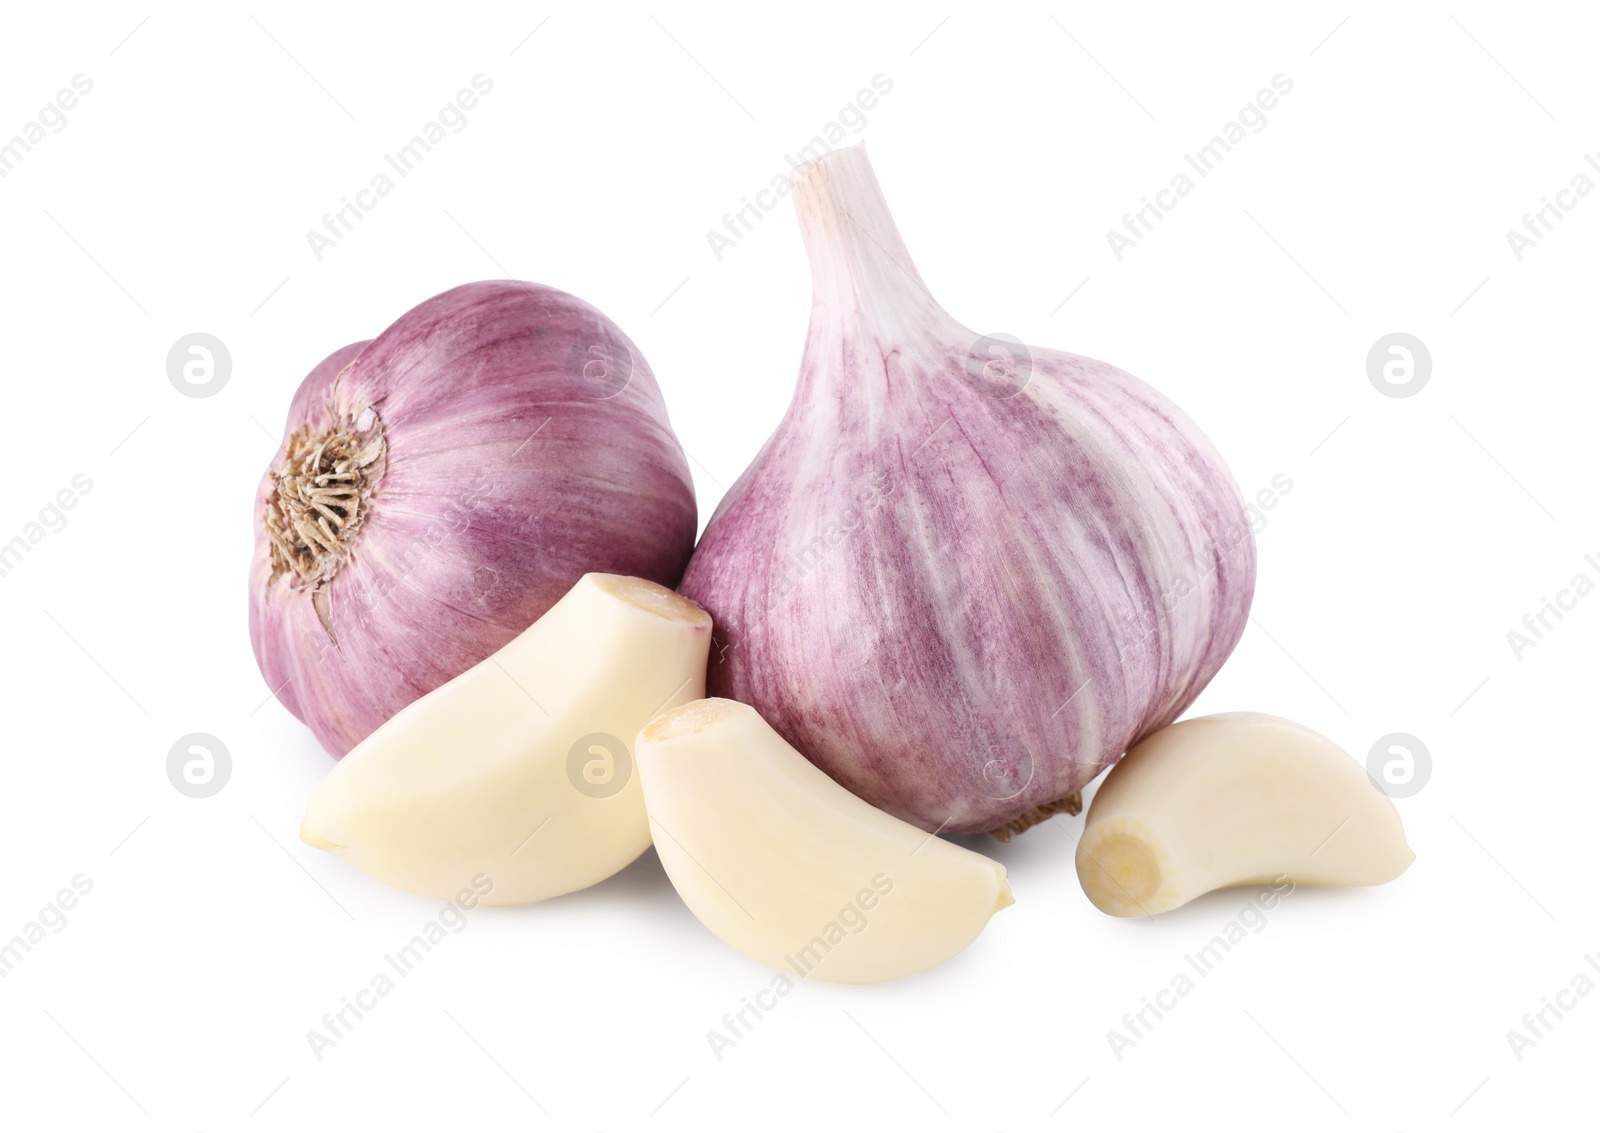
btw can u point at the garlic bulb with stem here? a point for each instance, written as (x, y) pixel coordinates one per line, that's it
(963, 576)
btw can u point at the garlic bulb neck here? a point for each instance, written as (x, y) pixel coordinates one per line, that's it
(863, 279)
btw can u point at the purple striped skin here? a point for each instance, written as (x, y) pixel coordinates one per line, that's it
(1045, 578)
(507, 479)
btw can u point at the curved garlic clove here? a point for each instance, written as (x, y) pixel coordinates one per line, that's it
(1239, 798)
(519, 770)
(792, 869)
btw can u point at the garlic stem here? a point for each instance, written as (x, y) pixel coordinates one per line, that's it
(862, 273)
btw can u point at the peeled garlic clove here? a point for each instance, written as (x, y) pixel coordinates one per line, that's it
(520, 769)
(963, 575)
(1239, 798)
(792, 869)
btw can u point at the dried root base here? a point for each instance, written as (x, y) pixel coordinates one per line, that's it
(319, 497)
(1071, 804)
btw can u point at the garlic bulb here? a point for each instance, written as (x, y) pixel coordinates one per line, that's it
(442, 486)
(963, 576)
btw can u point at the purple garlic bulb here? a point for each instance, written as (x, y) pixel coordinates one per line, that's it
(963, 576)
(441, 486)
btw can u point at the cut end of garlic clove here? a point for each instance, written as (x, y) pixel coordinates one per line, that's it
(689, 719)
(650, 597)
(1235, 799)
(1121, 872)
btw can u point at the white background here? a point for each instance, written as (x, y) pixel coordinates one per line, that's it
(1417, 533)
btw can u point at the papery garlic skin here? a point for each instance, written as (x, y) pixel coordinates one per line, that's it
(501, 440)
(792, 869)
(521, 769)
(961, 591)
(1239, 798)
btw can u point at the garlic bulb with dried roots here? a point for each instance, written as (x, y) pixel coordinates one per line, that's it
(442, 486)
(963, 576)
